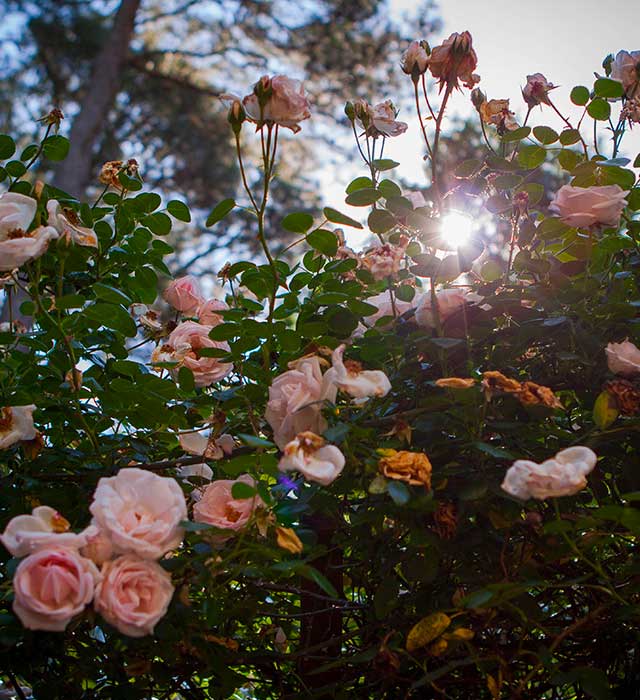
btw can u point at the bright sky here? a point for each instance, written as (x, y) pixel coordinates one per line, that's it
(566, 40)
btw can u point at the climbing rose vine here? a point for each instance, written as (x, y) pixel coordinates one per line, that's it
(386, 461)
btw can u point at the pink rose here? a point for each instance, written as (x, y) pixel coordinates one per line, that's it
(626, 70)
(316, 461)
(537, 89)
(386, 307)
(449, 302)
(97, 545)
(286, 102)
(384, 260)
(67, 224)
(623, 358)
(16, 424)
(219, 508)
(348, 376)
(51, 587)
(184, 294)
(185, 341)
(140, 512)
(380, 119)
(455, 60)
(133, 595)
(589, 206)
(562, 475)
(415, 59)
(16, 214)
(196, 442)
(45, 527)
(206, 312)
(296, 398)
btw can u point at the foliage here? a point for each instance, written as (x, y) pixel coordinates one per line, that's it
(456, 590)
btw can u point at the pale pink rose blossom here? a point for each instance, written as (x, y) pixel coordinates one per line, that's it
(219, 508)
(415, 59)
(623, 358)
(52, 586)
(97, 546)
(133, 595)
(316, 461)
(626, 70)
(455, 59)
(186, 340)
(184, 294)
(286, 104)
(537, 89)
(16, 424)
(140, 512)
(589, 206)
(387, 307)
(380, 119)
(206, 312)
(202, 470)
(296, 399)
(384, 260)
(67, 224)
(449, 301)
(562, 475)
(16, 213)
(45, 527)
(359, 383)
(21, 247)
(198, 442)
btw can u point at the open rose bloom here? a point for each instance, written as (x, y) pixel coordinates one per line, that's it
(219, 508)
(380, 119)
(17, 244)
(623, 358)
(52, 586)
(562, 475)
(583, 207)
(296, 399)
(449, 301)
(133, 595)
(183, 346)
(16, 424)
(350, 377)
(68, 226)
(140, 512)
(316, 461)
(286, 103)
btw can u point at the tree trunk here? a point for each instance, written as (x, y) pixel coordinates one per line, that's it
(74, 173)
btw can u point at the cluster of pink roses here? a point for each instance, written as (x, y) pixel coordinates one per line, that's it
(113, 562)
(18, 244)
(184, 346)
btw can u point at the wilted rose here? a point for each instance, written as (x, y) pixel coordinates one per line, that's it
(52, 586)
(626, 70)
(454, 60)
(133, 595)
(537, 89)
(67, 224)
(589, 206)
(284, 102)
(497, 112)
(412, 467)
(380, 119)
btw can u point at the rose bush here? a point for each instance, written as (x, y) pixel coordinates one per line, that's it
(403, 467)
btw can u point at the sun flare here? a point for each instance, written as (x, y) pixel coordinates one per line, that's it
(456, 228)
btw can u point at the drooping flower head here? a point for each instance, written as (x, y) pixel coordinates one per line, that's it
(455, 60)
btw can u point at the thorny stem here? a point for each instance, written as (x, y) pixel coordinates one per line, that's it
(569, 125)
(420, 119)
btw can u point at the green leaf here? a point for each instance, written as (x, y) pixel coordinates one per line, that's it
(111, 316)
(599, 109)
(220, 211)
(241, 491)
(389, 189)
(337, 217)
(179, 210)
(468, 168)
(545, 134)
(298, 222)
(362, 198)
(27, 153)
(319, 579)
(55, 147)
(15, 168)
(358, 184)
(530, 157)
(111, 294)
(324, 241)
(253, 441)
(507, 181)
(568, 159)
(159, 223)
(7, 147)
(399, 492)
(580, 95)
(569, 136)
(517, 134)
(381, 221)
(185, 379)
(385, 164)
(607, 88)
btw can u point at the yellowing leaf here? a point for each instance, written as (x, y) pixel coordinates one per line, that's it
(462, 633)
(287, 539)
(494, 687)
(427, 630)
(438, 647)
(605, 410)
